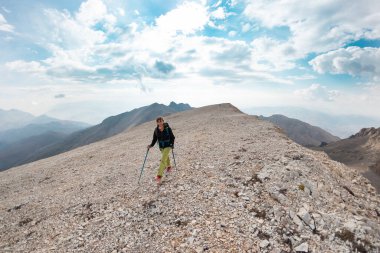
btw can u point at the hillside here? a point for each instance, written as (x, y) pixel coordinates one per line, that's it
(17, 144)
(361, 150)
(240, 186)
(109, 127)
(341, 125)
(301, 132)
(14, 153)
(34, 129)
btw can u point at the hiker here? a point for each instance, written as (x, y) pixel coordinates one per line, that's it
(163, 133)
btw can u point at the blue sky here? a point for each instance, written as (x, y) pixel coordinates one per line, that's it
(92, 59)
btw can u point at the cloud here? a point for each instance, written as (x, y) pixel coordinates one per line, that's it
(217, 4)
(215, 26)
(302, 77)
(219, 13)
(272, 55)
(314, 27)
(238, 52)
(355, 61)
(317, 92)
(59, 96)
(245, 27)
(181, 19)
(163, 67)
(91, 12)
(64, 31)
(4, 25)
(26, 67)
(90, 46)
(232, 33)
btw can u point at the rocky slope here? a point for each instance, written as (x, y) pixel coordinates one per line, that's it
(240, 186)
(301, 132)
(361, 150)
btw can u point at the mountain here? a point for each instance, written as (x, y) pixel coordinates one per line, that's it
(109, 127)
(14, 154)
(179, 107)
(301, 132)
(17, 144)
(13, 119)
(361, 150)
(39, 127)
(342, 126)
(239, 185)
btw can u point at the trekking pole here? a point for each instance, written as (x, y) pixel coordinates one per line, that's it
(175, 165)
(143, 165)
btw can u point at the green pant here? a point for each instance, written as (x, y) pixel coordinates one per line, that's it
(165, 161)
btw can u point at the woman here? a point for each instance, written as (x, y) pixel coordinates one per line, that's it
(163, 133)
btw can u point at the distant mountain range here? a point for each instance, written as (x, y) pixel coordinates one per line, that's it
(14, 154)
(14, 119)
(23, 133)
(32, 149)
(301, 132)
(342, 126)
(39, 127)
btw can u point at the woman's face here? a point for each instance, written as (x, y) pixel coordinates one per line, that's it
(160, 123)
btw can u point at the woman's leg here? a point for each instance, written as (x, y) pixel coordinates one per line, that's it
(168, 158)
(164, 159)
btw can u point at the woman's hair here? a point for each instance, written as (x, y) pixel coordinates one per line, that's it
(159, 118)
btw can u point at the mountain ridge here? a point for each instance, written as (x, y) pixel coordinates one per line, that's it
(240, 185)
(301, 132)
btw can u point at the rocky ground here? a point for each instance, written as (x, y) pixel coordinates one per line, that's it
(240, 186)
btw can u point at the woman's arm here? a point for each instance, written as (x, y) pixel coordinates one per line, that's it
(172, 137)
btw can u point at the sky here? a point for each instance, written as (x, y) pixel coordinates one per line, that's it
(87, 60)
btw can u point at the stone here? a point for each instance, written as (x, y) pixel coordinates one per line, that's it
(303, 247)
(305, 216)
(263, 175)
(264, 243)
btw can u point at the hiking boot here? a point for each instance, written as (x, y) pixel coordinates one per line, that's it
(169, 169)
(158, 179)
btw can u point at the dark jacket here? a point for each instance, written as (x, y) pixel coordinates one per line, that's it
(165, 138)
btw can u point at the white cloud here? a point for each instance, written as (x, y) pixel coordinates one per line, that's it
(272, 55)
(217, 4)
(81, 54)
(232, 33)
(233, 3)
(91, 12)
(181, 19)
(219, 13)
(215, 26)
(64, 30)
(23, 66)
(246, 27)
(355, 61)
(4, 25)
(317, 26)
(302, 77)
(121, 12)
(317, 92)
